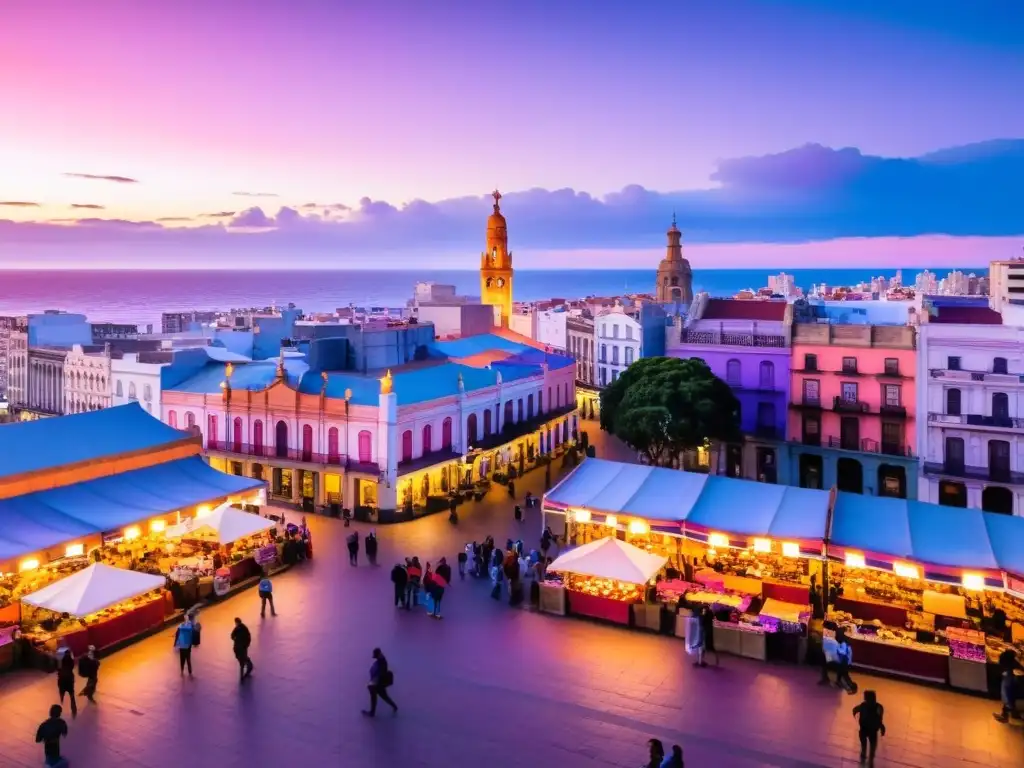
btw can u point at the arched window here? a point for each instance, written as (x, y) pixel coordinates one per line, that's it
(407, 445)
(428, 439)
(487, 422)
(307, 442)
(147, 392)
(529, 406)
(471, 432)
(767, 373)
(333, 453)
(365, 447)
(1000, 406)
(953, 402)
(540, 402)
(236, 434)
(190, 418)
(120, 390)
(281, 439)
(446, 435)
(507, 419)
(257, 437)
(732, 372)
(520, 409)
(172, 418)
(211, 430)
(131, 392)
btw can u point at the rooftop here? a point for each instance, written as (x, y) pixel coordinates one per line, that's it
(965, 316)
(741, 309)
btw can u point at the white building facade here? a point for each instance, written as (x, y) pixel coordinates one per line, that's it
(135, 381)
(551, 329)
(618, 340)
(971, 416)
(86, 380)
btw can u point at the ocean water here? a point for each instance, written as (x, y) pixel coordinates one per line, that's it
(140, 296)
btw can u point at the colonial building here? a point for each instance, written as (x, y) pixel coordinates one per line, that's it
(86, 379)
(579, 333)
(496, 267)
(674, 282)
(853, 408)
(747, 345)
(622, 336)
(971, 369)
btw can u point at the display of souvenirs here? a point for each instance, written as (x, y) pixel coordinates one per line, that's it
(967, 644)
(606, 588)
(759, 565)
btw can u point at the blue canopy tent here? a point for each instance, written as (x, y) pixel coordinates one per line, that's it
(871, 524)
(1006, 534)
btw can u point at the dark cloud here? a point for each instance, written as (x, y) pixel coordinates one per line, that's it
(169, 219)
(102, 177)
(90, 206)
(217, 215)
(808, 193)
(18, 204)
(326, 207)
(255, 194)
(117, 224)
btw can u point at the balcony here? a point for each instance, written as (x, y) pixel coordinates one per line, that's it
(512, 432)
(810, 403)
(892, 373)
(273, 452)
(848, 370)
(967, 472)
(893, 411)
(849, 406)
(724, 339)
(867, 445)
(980, 376)
(977, 420)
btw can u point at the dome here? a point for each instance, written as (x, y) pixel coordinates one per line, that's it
(496, 221)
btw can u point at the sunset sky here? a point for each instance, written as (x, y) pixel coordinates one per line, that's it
(353, 128)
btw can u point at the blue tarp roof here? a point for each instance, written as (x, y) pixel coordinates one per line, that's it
(474, 345)
(50, 443)
(760, 509)
(871, 524)
(254, 376)
(45, 519)
(1006, 534)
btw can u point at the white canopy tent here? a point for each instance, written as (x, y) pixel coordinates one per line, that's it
(92, 589)
(226, 524)
(610, 558)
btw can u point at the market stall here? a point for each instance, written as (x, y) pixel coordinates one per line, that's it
(98, 605)
(605, 578)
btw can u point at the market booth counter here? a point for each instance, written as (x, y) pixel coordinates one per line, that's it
(99, 605)
(606, 578)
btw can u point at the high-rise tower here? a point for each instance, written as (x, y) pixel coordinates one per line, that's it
(496, 266)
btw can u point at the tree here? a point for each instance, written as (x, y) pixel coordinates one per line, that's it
(663, 406)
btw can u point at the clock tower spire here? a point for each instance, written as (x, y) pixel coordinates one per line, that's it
(496, 266)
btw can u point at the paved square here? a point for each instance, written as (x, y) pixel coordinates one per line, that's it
(487, 686)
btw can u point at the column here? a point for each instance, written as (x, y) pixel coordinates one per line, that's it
(387, 450)
(296, 485)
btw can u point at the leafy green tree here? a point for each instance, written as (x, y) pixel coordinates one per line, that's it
(663, 406)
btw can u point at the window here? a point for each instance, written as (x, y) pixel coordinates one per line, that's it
(365, 447)
(190, 418)
(953, 363)
(615, 331)
(999, 460)
(519, 409)
(529, 406)
(849, 392)
(629, 331)
(407, 445)
(471, 430)
(954, 459)
(604, 377)
(119, 391)
(446, 434)
(236, 434)
(999, 365)
(892, 366)
(767, 376)
(487, 423)
(615, 375)
(257, 437)
(428, 435)
(307, 442)
(1000, 406)
(615, 355)
(131, 391)
(147, 392)
(732, 372)
(810, 362)
(172, 419)
(812, 430)
(892, 395)
(281, 438)
(604, 358)
(953, 402)
(211, 430)
(629, 355)
(540, 401)
(849, 365)
(506, 418)
(765, 415)
(812, 391)
(892, 438)
(849, 433)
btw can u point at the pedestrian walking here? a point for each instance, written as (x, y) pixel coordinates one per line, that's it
(869, 716)
(1007, 685)
(517, 513)
(66, 679)
(655, 753)
(442, 578)
(353, 548)
(381, 678)
(674, 760)
(49, 733)
(266, 590)
(186, 636)
(400, 579)
(511, 489)
(370, 542)
(89, 670)
(412, 587)
(707, 623)
(463, 559)
(844, 660)
(241, 639)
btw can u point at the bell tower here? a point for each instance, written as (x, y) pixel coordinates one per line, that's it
(496, 266)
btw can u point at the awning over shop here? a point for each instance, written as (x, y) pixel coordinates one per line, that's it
(1006, 534)
(610, 558)
(912, 530)
(760, 509)
(225, 524)
(92, 589)
(45, 519)
(652, 493)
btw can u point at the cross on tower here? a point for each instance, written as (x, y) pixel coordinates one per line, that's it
(497, 196)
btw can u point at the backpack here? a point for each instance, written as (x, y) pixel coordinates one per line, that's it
(196, 638)
(387, 678)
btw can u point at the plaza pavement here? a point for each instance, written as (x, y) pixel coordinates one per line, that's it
(487, 686)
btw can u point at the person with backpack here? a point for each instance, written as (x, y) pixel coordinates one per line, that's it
(869, 715)
(89, 670)
(844, 660)
(266, 590)
(66, 679)
(186, 637)
(381, 678)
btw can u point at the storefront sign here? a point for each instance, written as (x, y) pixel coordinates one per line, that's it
(266, 555)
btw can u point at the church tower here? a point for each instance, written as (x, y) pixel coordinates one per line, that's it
(496, 267)
(674, 283)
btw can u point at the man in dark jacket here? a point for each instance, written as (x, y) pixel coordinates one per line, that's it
(442, 578)
(400, 578)
(370, 542)
(89, 668)
(241, 639)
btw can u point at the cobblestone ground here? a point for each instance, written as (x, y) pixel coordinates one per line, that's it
(488, 685)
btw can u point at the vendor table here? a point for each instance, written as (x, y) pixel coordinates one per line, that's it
(616, 611)
(968, 675)
(786, 593)
(552, 599)
(739, 642)
(647, 616)
(899, 659)
(244, 569)
(890, 615)
(144, 618)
